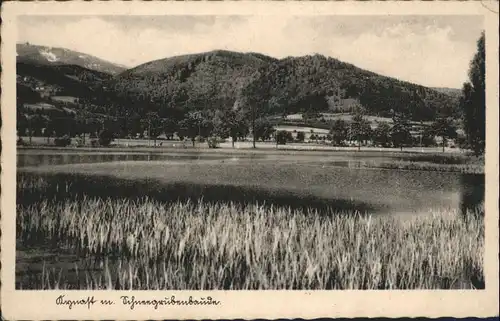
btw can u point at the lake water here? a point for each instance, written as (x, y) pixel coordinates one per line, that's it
(323, 178)
(59, 158)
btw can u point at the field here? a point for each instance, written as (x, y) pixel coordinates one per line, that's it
(329, 117)
(168, 145)
(106, 242)
(302, 129)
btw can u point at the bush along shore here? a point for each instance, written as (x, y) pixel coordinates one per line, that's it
(147, 244)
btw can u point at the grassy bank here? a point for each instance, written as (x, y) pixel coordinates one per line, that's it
(147, 244)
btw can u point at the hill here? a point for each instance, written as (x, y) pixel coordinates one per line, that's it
(220, 79)
(59, 79)
(66, 94)
(50, 56)
(454, 92)
(58, 90)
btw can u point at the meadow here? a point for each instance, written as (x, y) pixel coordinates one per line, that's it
(80, 229)
(245, 146)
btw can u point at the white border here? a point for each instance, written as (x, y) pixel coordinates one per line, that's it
(251, 304)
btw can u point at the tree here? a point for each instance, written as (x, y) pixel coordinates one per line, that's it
(360, 128)
(169, 127)
(427, 137)
(92, 126)
(400, 131)
(206, 127)
(22, 125)
(310, 115)
(190, 126)
(230, 123)
(154, 125)
(82, 126)
(444, 128)
(62, 141)
(135, 125)
(283, 136)
(59, 125)
(473, 103)
(301, 136)
(263, 129)
(254, 96)
(339, 132)
(105, 137)
(382, 134)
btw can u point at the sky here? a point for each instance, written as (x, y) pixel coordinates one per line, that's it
(428, 50)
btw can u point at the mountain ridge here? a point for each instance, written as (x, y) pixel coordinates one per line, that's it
(216, 80)
(293, 83)
(48, 55)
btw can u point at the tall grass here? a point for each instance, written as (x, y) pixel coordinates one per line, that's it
(146, 244)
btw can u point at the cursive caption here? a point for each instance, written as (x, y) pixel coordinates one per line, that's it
(132, 302)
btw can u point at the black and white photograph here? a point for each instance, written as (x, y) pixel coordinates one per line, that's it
(198, 152)
(249, 152)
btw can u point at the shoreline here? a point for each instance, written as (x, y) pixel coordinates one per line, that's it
(262, 148)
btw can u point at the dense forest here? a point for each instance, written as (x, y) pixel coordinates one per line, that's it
(217, 79)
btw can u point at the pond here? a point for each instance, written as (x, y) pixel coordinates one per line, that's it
(286, 180)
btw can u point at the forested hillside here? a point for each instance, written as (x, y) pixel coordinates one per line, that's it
(70, 80)
(216, 80)
(202, 89)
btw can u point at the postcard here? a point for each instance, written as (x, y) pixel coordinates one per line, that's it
(173, 160)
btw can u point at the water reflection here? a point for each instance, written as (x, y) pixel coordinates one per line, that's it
(341, 185)
(25, 160)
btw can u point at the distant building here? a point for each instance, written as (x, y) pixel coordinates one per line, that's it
(65, 99)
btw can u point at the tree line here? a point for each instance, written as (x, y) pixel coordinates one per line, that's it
(396, 134)
(214, 126)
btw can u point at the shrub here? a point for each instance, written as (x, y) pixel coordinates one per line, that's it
(105, 137)
(213, 142)
(79, 142)
(301, 136)
(94, 142)
(462, 143)
(283, 136)
(20, 142)
(62, 141)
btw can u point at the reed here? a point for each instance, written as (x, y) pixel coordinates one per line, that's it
(147, 244)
